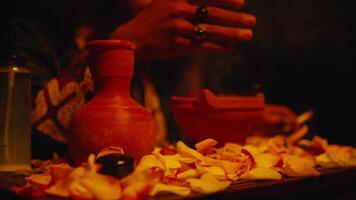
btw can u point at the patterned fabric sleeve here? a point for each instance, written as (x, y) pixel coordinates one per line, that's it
(55, 104)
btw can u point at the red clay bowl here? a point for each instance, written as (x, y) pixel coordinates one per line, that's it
(223, 118)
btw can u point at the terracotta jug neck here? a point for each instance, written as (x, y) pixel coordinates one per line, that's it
(113, 86)
(112, 62)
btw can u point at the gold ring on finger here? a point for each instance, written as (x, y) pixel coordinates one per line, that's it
(200, 32)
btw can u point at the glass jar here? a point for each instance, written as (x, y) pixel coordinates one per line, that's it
(15, 125)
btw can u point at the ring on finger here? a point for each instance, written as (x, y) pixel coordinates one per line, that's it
(200, 15)
(200, 32)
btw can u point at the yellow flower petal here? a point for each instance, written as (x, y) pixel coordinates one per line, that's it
(292, 172)
(342, 156)
(110, 150)
(39, 179)
(266, 160)
(179, 190)
(207, 184)
(295, 166)
(60, 188)
(148, 162)
(172, 162)
(206, 145)
(216, 171)
(101, 187)
(263, 174)
(230, 167)
(190, 173)
(184, 150)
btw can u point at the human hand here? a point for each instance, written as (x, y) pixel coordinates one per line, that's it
(277, 119)
(165, 28)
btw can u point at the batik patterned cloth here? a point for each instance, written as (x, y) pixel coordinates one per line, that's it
(55, 104)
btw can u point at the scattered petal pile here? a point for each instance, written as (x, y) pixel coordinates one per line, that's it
(181, 170)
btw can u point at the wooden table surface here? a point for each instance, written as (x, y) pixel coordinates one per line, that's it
(336, 184)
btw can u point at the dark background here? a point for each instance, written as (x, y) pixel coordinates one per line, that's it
(302, 55)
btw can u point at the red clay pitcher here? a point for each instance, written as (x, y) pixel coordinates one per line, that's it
(112, 117)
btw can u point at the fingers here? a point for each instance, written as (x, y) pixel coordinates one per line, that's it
(224, 34)
(229, 18)
(217, 16)
(181, 27)
(221, 26)
(225, 3)
(273, 120)
(212, 32)
(280, 118)
(282, 111)
(199, 44)
(280, 114)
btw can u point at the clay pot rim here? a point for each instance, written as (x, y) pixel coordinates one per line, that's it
(111, 44)
(184, 109)
(207, 101)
